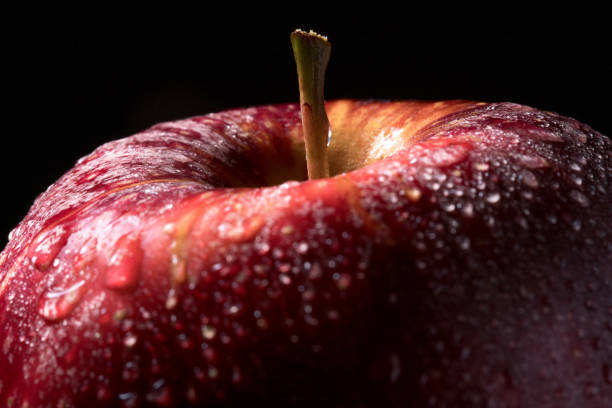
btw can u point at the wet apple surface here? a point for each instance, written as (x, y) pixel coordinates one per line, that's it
(458, 256)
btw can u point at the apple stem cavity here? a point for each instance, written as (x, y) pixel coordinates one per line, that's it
(311, 52)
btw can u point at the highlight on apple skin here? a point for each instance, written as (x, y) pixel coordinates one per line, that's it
(458, 255)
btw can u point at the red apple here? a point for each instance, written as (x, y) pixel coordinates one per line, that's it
(458, 255)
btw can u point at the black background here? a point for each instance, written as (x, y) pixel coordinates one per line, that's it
(70, 85)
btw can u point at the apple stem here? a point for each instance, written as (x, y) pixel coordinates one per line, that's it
(311, 52)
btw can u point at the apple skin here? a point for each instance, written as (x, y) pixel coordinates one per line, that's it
(459, 258)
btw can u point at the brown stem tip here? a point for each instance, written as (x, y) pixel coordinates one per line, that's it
(311, 51)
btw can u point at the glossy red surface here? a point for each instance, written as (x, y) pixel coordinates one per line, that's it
(468, 265)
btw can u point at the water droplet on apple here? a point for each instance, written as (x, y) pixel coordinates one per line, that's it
(529, 179)
(262, 323)
(576, 180)
(160, 394)
(236, 374)
(287, 229)
(184, 341)
(446, 154)
(581, 159)
(225, 338)
(243, 230)
(178, 268)
(344, 281)
(575, 167)
(530, 161)
(489, 220)
(308, 309)
(47, 245)
(155, 367)
(481, 166)
(233, 309)
(191, 394)
(333, 314)
(262, 248)
(123, 268)
(396, 368)
(579, 198)
(130, 340)
(315, 271)
(6, 344)
(284, 267)
(128, 399)
(130, 372)
(467, 209)
(464, 242)
(172, 299)
(278, 253)
(302, 248)
(209, 332)
(213, 372)
(449, 207)
(103, 393)
(13, 233)
(169, 228)
(493, 198)
(522, 222)
(57, 304)
(413, 194)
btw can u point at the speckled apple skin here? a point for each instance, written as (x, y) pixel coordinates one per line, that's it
(471, 267)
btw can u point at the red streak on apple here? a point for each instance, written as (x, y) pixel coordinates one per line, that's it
(458, 255)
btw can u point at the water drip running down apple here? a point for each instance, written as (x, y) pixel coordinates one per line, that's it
(428, 254)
